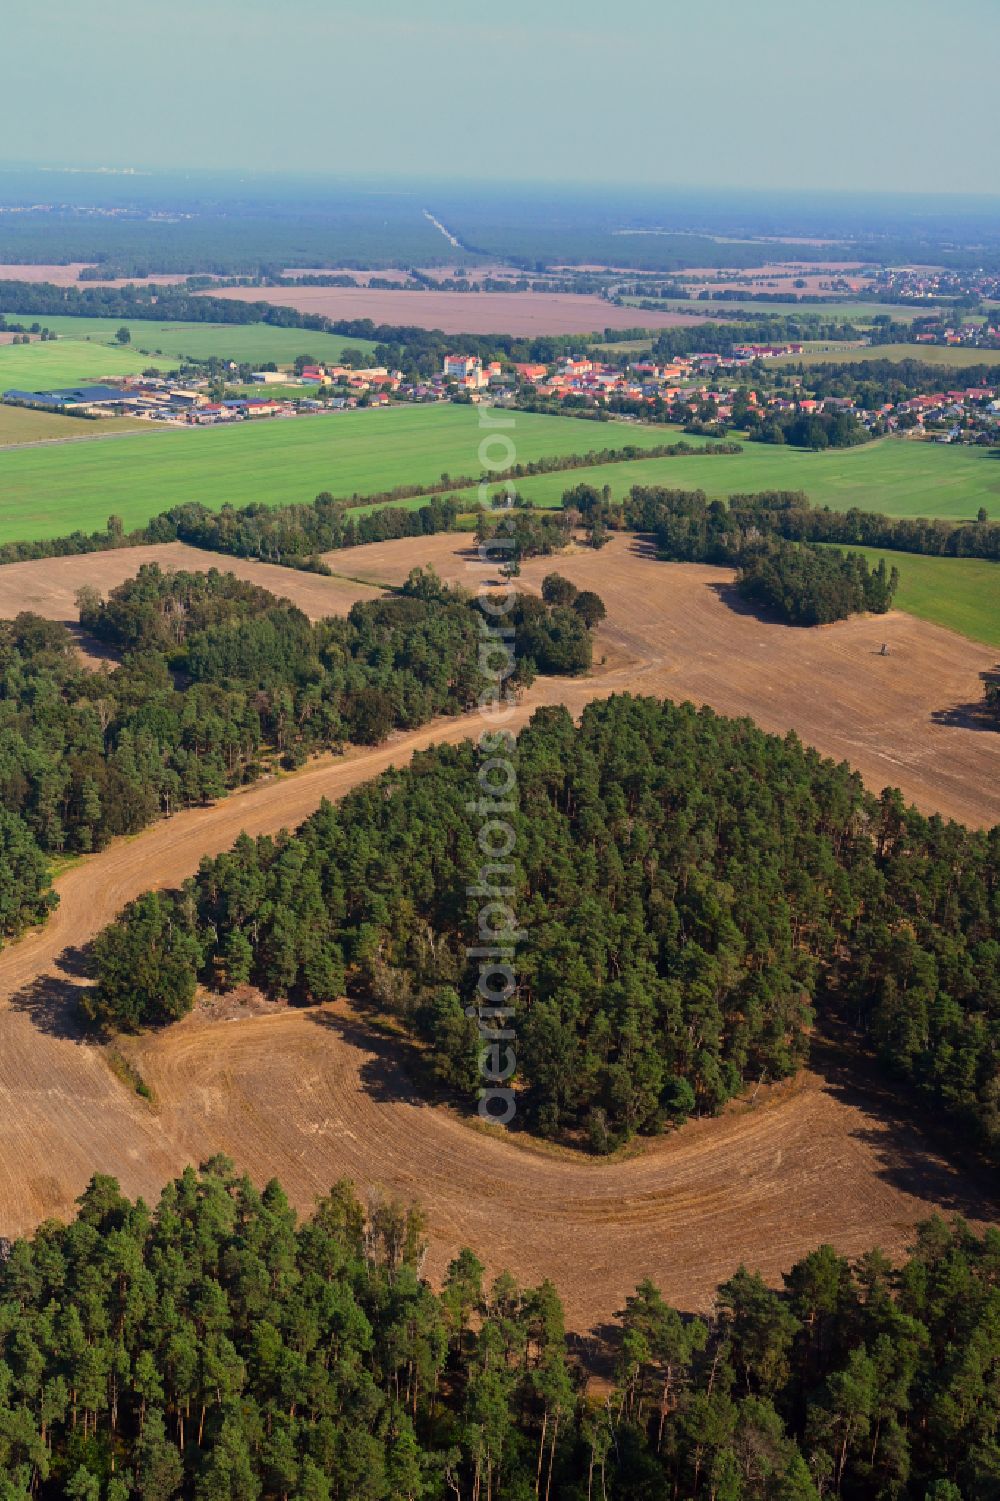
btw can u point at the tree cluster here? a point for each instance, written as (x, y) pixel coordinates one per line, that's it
(808, 585)
(217, 679)
(694, 891)
(817, 430)
(803, 583)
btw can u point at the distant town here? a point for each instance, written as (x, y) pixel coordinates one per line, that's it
(703, 391)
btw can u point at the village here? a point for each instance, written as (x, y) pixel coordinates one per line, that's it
(704, 389)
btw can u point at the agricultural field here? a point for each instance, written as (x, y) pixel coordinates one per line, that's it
(529, 313)
(20, 425)
(49, 586)
(88, 345)
(311, 1095)
(48, 492)
(64, 362)
(819, 353)
(893, 476)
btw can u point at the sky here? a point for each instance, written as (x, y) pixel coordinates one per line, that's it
(884, 95)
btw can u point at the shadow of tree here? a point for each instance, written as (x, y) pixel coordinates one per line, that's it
(52, 1002)
(392, 1072)
(916, 1153)
(735, 601)
(975, 715)
(642, 545)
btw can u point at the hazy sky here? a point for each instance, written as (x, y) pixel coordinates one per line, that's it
(883, 94)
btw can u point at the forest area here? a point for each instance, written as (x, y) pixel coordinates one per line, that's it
(213, 1346)
(218, 681)
(698, 893)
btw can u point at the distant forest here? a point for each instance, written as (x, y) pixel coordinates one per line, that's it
(694, 892)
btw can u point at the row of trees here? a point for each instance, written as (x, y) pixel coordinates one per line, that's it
(215, 1347)
(218, 678)
(693, 890)
(293, 535)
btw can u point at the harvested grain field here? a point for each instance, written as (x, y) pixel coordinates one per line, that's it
(463, 312)
(680, 631)
(49, 586)
(312, 1095)
(69, 276)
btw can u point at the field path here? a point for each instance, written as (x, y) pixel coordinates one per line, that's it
(313, 1095)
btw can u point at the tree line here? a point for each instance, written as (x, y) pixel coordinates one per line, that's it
(217, 680)
(874, 382)
(788, 514)
(291, 535)
(216, 1347)
(691, 522)
(694, 890)
(792, 516)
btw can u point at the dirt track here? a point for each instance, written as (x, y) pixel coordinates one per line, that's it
(309, 1096)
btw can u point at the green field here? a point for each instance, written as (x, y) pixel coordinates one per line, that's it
(927, 354)
(894, 476)
(23, 425)
(46, 492)
(960, 593)
(846, 310)
(85, 349)
(63, 362)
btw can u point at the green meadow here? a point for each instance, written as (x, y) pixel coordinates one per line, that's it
(63, 362)
(960, 593)
(48, 491)
(818, 353)
(86, 348)
(895, 476)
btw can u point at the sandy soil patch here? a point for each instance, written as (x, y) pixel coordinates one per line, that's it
(684, 634)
